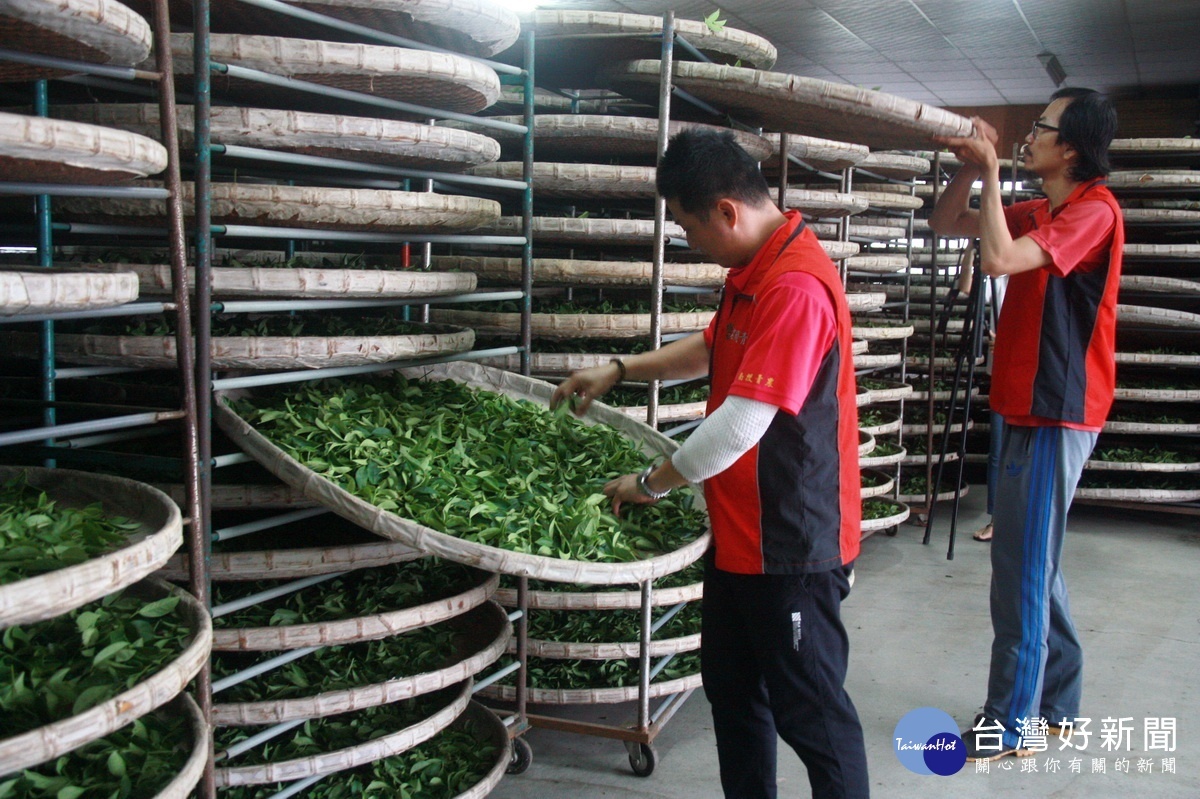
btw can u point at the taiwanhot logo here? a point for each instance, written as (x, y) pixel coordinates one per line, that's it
(926, 742)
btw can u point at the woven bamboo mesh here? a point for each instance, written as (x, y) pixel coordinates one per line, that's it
(866, 442)
(304, 206)
(584, 231)
(864, 301)
(1160, 217)
(682, 412)
(99, 31)
(440, 80)
(159, 533)
(51, 290)
(475, 27)
(1148, 316)
(571, 272)
(1156, 394)
(597, 138)
(446, 546)
(1124, 183)
(496, 736)
(600, 600)
(339, 760)
(551, 364)
(861, 230)
(889, 200)
(46, 743)
(1134, 466)
(823, 154)
(810, 106)
(895, 165)
(254, 352)
(357, 629)
(285, 564)
(884, 483)
(1160, 284)
(823, 203)
(485, 633)
(876, 360)
(920, 459)
(578, 650)
(840, 250)
(865, 461)
(592, 101)
(1158, 359)
(890, 424)
(1154, 146)
(938, 428)
(1139, 494)
(60, 151)
(881, 333)
(1152, 428)
(941, 496)
(576, 325)
(390, 141)
(583, 181)
(184, 782)
(875, 525)
(593, 696)
(893, 392)
(309, 282)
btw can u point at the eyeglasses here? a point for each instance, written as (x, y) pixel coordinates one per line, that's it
(1039, 125)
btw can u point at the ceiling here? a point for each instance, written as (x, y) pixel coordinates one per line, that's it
(962, 52)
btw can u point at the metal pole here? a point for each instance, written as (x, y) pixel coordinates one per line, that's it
(660, 206)
(45, 247)
(783, 171)
(644, 675)
(527, 209)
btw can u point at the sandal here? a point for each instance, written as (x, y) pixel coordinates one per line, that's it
(983, 534)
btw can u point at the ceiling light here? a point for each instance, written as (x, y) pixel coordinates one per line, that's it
(1053, 68)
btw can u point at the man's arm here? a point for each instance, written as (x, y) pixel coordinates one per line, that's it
(952, 216)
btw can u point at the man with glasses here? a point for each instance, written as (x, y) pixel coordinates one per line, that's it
(1053, 377)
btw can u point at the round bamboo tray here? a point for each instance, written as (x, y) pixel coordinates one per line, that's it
(355, 630)
(584, 232)
(578, 181)
(875, 525)
(440, 80)
(881, 333)
(1154, 146)
(1134, 183)
(876, 360)
(551, 364)
(46, 743)
(303, 206)
(251, 352)
(683, 412)
(1134, 466)
(1138, 494)
(291, 564)
(1156, 394)
(183, 783)
(267, 282)
(877, 264)
(861, 230)
(446, 546)
(1152, 428)
(486, 628)
(888, 483)
(571, 272)
(942, 496)
(600, 600)
(1153, 283)
(865, 461)
(894, 393)
(592, 696)
(890, 426)
(576, 650)
(1147, 316)
(58, 151)
(339, 760)
(45, 290)
(866, 442)
(1161, 253)
(572, 325)
(393, 142)
(779, 101)
(1159, 217)
(823, 154)
(596, 138)
(1157, 359)
(592, 101)
(480, 28)
(941, 396)
(938, 428)
(822, 203)
(159, 533)
(889, 201)
(235, 497)
(97, 31)
(865, 301)
(840, 250)
(920, 458)
(895, 165)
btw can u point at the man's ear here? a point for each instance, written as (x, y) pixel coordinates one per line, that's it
(728, 211)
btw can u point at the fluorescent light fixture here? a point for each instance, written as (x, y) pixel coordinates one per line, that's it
(1053, 68)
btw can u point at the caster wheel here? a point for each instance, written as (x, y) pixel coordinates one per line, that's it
(642, 759)
(522, 757)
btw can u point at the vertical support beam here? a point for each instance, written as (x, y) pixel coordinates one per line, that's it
(930, 488)
(783, 170)
(660, 206)
(522, 633)
(527, 208)
(45, 247)
(644, 659)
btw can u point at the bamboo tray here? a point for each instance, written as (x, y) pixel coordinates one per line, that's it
(778, 101)
(890, 426)
(823, 203)
(894, 393)
(46, 290)
(43, 150)
(568, 650)
(483, 557)
(303, 206)
(877, 264)
(1157, 359)
(1156, 394)
(866, 442)
(389, 141)
(682, 412)
(876, 360)
(875, 525)
(942, 496)
(864, 461)
(1152, 428)
(823, 154)
(1147, 316)
(592, 696)
(600, 600)
(1162, 253)
(339, 760)
(920, 458)
(444, 81)
(1158, 217)
(571, 272)
(1154, 283)
(488, 632)
(291, 564)
(938, 428)
(584, 232)
(251, 352)
(240, 496)
(1139, 494)
(895, 165)
(865, 301)
(1133, 466)
(46, 743)
(51, 594)
(1137, 183)
(889, 201)
(862, 230)
(866, 492)
(578, 181)
(572, 325)
(354, 630)
(270, 282)
(98, 31)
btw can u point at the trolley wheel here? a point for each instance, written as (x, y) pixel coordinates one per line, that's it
(522, 756)
(642, 759)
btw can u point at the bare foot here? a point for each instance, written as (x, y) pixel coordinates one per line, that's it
(983, 533)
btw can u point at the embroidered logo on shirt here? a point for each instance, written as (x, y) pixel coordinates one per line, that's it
(1013, 468)
(796, 634)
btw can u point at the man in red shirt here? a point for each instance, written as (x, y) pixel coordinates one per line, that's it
(777, 454)
(1053, 376)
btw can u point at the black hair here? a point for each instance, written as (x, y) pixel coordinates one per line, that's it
(1087, 125)
(701, 166)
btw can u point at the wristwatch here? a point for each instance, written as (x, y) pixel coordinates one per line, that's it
(645, 487)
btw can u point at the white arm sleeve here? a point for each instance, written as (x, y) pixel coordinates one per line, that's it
(724, 437)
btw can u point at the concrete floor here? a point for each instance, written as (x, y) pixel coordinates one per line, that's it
(920, 636)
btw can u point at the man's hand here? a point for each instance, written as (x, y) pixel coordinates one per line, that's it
(625, 489)
(586, 385)
(978, 149)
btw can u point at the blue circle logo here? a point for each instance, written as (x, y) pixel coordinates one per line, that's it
(926, 742)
